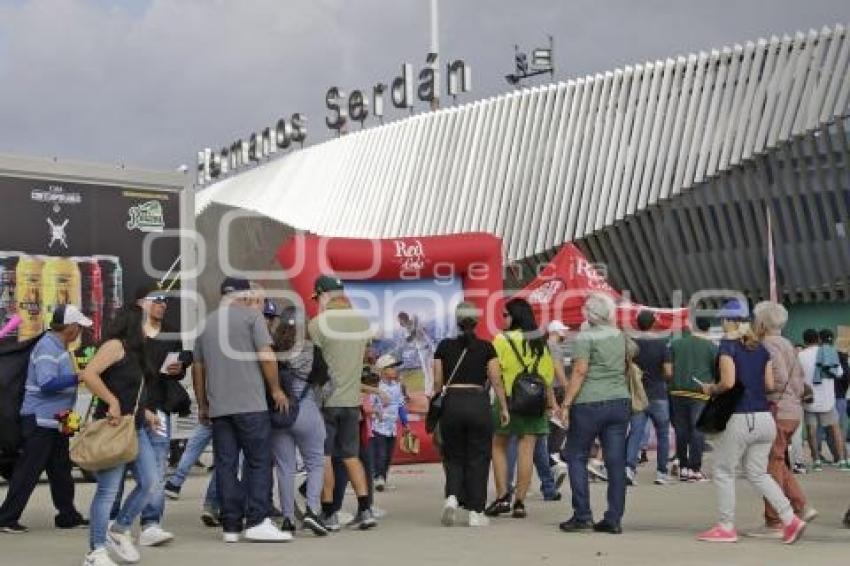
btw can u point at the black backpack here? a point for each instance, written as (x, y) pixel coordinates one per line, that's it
(14, 361)
(528, 393)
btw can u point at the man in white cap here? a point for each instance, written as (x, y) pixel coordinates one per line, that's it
(50, 390)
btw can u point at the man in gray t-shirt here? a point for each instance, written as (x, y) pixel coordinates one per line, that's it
(234, 365)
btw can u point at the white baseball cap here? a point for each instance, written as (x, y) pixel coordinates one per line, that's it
(69, 314)
(386, 361)
(557, 326)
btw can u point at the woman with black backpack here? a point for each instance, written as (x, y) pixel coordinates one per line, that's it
(528, 373)
(302, 372)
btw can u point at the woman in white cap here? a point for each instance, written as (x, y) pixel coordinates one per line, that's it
(464, 366)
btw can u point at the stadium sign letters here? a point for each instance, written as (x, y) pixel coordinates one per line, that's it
(357, 106)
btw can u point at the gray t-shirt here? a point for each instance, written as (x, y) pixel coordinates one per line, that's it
(228, 349)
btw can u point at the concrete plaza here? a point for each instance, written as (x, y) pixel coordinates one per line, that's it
(660, 525)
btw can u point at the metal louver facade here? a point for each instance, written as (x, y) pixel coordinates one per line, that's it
(663, 171)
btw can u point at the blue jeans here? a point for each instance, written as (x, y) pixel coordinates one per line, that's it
(152, 513)
(108, 482)
(541, 464)
(606, 420)
(247, 499)
(194, 448)
(659, 412)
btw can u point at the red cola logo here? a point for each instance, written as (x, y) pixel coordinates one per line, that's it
(546, 293)
(411, 255)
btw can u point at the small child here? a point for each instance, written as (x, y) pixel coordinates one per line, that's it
(388, 408)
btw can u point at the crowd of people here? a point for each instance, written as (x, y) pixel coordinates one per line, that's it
(278, 395)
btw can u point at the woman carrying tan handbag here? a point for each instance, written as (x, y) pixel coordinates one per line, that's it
(116, 377)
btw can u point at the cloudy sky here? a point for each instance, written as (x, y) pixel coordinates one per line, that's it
(149, 82)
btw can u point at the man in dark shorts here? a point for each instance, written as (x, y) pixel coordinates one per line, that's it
(342, 334)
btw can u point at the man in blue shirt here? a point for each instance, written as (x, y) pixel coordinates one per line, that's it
(51, 388)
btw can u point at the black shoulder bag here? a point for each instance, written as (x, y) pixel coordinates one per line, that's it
(435, 406)
(286, 419)
(719, 409)
(528, 393)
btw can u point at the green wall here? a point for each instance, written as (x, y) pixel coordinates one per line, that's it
(822, 315)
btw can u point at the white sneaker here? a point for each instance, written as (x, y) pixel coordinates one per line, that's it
(449, 511)
(631, 476)
(380, 483)
(661, 478)
(377, 512)
(154, 535)
(344, 517)
(231, 537)
(559, 472)
(267, 532)
(809, 514)
(121, 545)
(98, 557)
(478, 519)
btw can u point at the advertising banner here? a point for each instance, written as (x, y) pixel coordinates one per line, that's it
(78, 243)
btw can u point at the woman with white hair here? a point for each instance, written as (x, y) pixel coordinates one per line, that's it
(750, 431)
(787, 408)
(597, 404)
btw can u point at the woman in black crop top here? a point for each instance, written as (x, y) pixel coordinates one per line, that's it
(465, 365)
(115, 376)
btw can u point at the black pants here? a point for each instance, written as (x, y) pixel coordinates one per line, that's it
(44, 449)
(382, 454)
(466, 426)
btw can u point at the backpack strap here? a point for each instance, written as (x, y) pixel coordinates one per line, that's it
(516, 353)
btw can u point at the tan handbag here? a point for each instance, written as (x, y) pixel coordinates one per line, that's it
(101, 446)
(409, 443)
(637, 394)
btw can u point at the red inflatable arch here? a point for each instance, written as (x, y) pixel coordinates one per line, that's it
(474, 257)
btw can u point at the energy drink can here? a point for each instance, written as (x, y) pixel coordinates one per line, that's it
(60, 283)
(28, 301)
(91, 294)
(8, 265)
(113, 285)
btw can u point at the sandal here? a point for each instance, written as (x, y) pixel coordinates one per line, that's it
(500, 506)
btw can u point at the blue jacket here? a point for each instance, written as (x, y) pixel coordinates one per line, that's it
(51, 386)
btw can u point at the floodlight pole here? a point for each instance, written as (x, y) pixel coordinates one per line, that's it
(435, 47)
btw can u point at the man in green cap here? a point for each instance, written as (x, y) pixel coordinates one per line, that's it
(343, 335)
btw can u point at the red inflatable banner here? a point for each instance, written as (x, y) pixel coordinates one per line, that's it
(559, 292)
(408, 288)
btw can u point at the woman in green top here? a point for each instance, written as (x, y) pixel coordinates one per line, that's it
(597, 405)
(521, 347)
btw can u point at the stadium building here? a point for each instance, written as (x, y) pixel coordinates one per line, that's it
(667, 172)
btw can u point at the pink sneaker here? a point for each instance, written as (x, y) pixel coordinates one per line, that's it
(793, 530)
(718, 534)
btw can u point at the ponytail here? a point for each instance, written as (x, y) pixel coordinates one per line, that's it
(466, 328)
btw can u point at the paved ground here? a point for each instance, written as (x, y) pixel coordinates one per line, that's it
(660, 526)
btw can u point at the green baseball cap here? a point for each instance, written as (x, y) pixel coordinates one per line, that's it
(326, 283)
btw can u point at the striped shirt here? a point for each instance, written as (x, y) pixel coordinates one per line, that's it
(51, 381)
